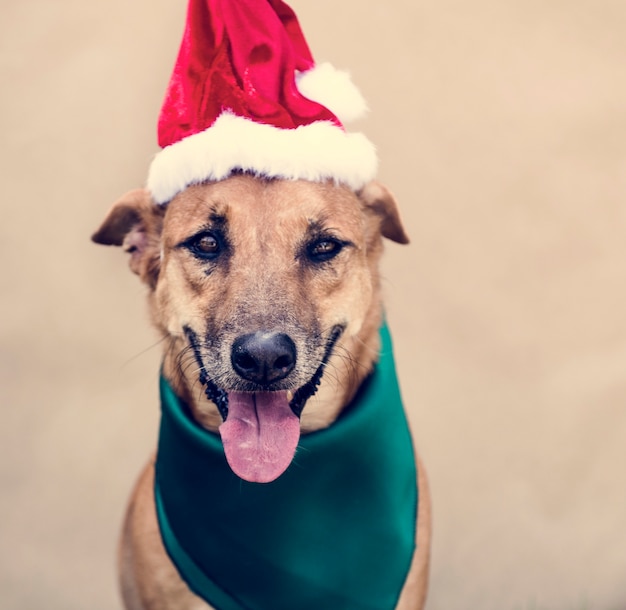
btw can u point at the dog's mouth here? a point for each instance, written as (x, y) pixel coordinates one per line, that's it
(261, 429)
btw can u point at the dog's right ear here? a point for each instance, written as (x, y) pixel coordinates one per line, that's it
(135, 223)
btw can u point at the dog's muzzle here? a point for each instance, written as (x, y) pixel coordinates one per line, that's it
(261, 428)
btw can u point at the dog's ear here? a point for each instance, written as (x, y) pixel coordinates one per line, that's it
(135, 223)
(379, 200)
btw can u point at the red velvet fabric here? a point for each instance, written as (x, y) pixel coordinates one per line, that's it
(238, 55)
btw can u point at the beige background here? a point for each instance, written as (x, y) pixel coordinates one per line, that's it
(501, 126)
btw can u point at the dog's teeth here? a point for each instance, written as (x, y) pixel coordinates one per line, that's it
(289, 395)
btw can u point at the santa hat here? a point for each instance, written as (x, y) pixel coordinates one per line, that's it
(246, 95)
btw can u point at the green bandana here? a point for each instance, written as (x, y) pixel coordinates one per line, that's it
(335, 531)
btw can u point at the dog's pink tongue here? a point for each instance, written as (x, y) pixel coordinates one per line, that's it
(259, 435)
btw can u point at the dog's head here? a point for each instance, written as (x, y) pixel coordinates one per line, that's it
(260, 285)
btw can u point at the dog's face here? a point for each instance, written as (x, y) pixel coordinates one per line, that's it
(260, 285)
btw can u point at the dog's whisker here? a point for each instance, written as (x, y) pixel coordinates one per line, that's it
(143, 352)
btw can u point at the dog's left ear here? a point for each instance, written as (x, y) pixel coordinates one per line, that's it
(379, 200)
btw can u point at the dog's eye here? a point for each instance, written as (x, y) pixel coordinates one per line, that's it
(324, 249)
(204, 245)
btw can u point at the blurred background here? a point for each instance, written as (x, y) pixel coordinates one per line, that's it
(501, 128)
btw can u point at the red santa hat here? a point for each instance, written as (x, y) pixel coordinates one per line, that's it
(246, 95)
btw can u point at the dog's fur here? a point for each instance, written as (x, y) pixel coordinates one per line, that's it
(264, 279)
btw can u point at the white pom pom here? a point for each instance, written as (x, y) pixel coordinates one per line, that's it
(333, 89)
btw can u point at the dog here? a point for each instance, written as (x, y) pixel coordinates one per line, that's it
(263, 288)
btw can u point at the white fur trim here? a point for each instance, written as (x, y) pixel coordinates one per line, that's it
(333, 89)
(316, 152)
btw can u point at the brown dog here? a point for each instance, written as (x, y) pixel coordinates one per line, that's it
(255, 284)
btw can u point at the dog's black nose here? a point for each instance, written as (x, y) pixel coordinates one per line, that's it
(263, 357)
